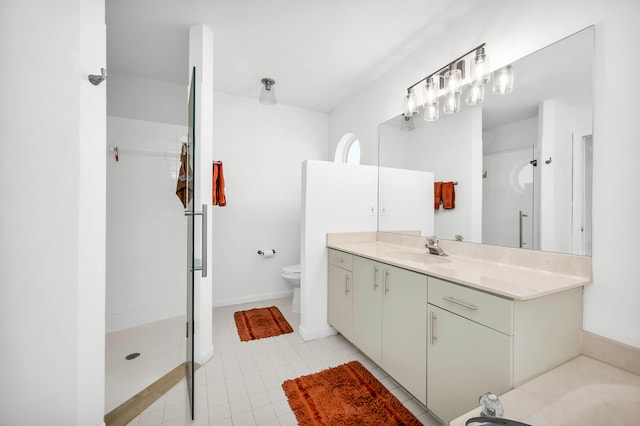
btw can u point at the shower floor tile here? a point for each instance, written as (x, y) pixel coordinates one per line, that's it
(162, 347)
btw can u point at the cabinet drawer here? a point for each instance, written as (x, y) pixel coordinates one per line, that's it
(341, 259)
(493, 311)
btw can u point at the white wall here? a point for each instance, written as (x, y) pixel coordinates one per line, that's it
(516, 135)
(511, 31)
(52, 221)
(559, 123)
(146, 99)
(336, 198)
(146, 227)
(147, 231)
(405, 201)
(555, 177)
(451, 148)
(262, 149)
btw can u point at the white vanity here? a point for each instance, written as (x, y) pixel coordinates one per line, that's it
(448, 329)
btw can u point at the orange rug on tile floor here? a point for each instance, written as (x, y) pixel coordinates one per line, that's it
(259, 323)
(345, 395)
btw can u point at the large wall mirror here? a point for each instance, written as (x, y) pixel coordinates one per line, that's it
(522, 162)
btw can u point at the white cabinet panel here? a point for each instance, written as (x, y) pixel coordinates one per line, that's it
(367, 307)
(465, 360)
(404, 329)
(340, 300)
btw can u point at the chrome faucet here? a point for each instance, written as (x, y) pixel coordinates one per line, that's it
(434, 248)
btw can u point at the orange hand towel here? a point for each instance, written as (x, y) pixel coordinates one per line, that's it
(437, 195)
(217, 186)
(184, 186)
(448, 195)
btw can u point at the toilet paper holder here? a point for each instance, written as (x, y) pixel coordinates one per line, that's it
(266, 253)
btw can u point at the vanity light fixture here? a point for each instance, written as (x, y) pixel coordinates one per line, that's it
(267, 94)
(447, 82)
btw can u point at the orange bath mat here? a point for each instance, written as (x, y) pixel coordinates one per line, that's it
(345, 395)
(259, 323)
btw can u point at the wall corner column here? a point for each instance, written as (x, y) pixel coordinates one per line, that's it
(201, 57)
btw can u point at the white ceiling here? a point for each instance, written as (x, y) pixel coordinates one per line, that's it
(318, 51)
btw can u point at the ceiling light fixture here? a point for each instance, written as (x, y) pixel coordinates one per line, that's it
(267, 94)
(447, 83)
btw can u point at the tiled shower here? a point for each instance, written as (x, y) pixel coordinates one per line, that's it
(146, 256)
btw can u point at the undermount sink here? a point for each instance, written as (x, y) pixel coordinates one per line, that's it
(417, 257)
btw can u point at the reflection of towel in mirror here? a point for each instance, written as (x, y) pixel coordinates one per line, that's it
(437, 195)
(448, 195)
(182, 191)
(217, 185)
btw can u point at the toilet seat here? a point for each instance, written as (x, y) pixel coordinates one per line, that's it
(291, 270)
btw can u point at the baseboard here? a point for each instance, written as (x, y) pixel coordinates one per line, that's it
(252, 298)
(316, 334)
(612, 352)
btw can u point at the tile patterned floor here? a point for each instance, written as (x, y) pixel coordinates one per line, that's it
(241, 384)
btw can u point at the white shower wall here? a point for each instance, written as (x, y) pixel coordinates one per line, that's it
(146, 228)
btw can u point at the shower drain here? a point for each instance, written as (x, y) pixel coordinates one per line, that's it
(132, 356)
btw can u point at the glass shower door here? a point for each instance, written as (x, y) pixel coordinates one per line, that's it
(190, 214)
(193, 264)
(508, 199)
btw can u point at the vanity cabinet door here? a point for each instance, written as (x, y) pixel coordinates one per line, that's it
(404, 329)
(367, 307)
(465, 360)
(340, 300)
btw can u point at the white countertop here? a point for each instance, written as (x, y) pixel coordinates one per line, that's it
(583, 391)
(508, 280)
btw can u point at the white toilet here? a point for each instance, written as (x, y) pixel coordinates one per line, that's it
(291, 273)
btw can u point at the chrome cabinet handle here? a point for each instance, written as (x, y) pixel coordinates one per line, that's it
(346, 284)
(433, 327)
(457, 302)
(375, 277)
(202, 213)
(386, 281)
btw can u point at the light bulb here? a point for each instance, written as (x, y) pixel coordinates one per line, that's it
(503, 80)
(452, 79)
(431, 90)
(475, 95)
(410, 106)
(432, 110)
(451, 103)
(480, 68)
